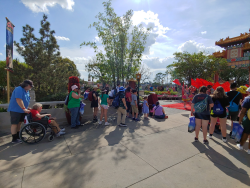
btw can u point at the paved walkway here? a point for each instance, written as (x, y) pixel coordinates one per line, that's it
(154, 153)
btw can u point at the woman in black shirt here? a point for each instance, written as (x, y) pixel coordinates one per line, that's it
(221, 102)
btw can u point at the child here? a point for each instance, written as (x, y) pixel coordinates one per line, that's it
(145, 109)
(134, 106)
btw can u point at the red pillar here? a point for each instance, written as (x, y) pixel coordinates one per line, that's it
(249, 75)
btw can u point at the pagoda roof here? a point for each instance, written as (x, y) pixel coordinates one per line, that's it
(243, 38)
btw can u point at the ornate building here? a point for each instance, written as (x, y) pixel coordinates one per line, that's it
(236, 51)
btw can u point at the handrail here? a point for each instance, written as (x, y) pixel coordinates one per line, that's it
(51, 103)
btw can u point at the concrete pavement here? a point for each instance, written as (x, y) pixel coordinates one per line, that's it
(149, 153)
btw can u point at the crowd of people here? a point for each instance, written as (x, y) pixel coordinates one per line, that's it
(212, 106)
(208, 106)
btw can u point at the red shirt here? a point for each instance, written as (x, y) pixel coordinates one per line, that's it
(128, 96)
(34, 113)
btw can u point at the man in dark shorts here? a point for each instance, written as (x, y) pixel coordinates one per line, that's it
(94, 102)
(18, 105)
(233, 94)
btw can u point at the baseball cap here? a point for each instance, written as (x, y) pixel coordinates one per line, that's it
(28, 82)
(121, 88)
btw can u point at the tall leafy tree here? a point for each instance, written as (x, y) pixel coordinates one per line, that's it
(160, 78)
(42, 54)
(196, 65)
(123, 49)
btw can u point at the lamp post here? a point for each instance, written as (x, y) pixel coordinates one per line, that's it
(138, 78)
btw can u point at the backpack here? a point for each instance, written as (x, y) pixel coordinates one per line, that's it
(200, 106)
(116, 101)
(67, 100)
(90, 96)
(218, 109)
(233, 106)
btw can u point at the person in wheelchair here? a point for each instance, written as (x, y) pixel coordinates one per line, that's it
(45, 118)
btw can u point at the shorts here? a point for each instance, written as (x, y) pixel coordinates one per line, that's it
(16, 117)
(111, 97)
(161, 116)
(233, 116)
(128, 106)
(105, 106)
(202, 116)
(94, 104)
(134, 109)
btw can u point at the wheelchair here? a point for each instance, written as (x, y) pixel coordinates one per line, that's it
(34, 132)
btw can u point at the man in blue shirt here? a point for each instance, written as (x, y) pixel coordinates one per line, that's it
(18, 105)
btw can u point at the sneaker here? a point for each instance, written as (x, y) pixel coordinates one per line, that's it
(209, 136)
(62, 133)
(74, 127)
(224, 140)
(58, 134)
(100, 122)
(107, 123)
(17, 141)
(205, 142)
(63, 129)
(133, 118)
(239, 146)
(248, 151)
(137, 119)
(196, 139)
(123, 125)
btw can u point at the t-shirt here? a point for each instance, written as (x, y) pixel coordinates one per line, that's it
(134, 99)
(34, 113)
(121, 96)
(104, 98)
(96, 94)
(73, 103)
(201, 97)
(151, 88)
(128, 96)
(19, 93)
(224, 102)
(158, 110)
(112, 92)
(232, 94)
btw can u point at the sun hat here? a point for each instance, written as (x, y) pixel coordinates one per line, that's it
(95, 87)
(121, 88)
(74, 87)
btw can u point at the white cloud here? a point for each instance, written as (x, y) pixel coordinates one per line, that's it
(150, 19)
(4, 46)
(1, 54)
(97, 39)
(62, 38)
(204, 32)
(42, 5)
(194, 47)
(157, 63)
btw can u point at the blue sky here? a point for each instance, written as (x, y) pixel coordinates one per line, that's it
(180, 25)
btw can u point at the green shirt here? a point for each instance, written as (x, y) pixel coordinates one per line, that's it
(104, 98)
(73, 103)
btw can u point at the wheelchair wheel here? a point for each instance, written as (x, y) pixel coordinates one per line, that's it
(32, 133)
(50, 138)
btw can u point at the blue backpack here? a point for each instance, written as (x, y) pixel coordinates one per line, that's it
(233, 106)
(116, 101)
(218, 109)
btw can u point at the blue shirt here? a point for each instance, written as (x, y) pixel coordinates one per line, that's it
(19, 93)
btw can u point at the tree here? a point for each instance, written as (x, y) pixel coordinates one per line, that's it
(145, 73)
(196, 65)
(159, 78)
(240, 76)
(123, 49)
(50, 71)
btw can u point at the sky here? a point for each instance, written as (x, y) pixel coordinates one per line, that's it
(178, 26)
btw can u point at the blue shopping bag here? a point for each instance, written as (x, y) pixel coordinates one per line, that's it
(236, 125)
(82, 107)
(191, 125)
(239, 134)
